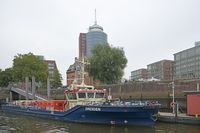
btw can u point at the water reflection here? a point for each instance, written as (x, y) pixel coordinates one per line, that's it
(75, 128)
(176, 128)
(12, 123)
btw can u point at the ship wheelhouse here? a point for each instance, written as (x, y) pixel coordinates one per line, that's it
(80, 95)
(85, 95)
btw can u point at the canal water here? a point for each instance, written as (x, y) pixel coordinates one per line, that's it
(10, 123)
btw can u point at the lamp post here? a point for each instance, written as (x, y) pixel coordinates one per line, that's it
(173, 100)
(141, 89)
(48, 88)
(26, 84)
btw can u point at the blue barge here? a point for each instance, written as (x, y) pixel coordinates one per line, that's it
(88, 106)
(85, 104)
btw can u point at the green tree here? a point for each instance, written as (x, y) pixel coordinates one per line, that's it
(6, 77)
(56, 82)
(107, 63)
(29, 65)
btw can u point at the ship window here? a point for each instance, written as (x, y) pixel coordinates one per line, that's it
(81, 95)
(99, 95)
(71, 96)
(90, 95)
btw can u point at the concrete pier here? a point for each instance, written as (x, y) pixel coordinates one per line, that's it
(179, 118)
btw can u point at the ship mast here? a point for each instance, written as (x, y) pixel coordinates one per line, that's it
(82, 63)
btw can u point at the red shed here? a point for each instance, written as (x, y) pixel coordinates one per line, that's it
(193, 102)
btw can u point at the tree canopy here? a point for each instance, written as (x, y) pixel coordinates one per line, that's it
(28, 65)
(6, 77)
(107, 63)
(56, 79)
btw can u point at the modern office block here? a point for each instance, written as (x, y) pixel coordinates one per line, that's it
(187, 63)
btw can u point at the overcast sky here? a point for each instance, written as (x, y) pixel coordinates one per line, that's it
(148, 30)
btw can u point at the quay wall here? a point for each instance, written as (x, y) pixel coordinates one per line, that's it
(159, 90)
(151, 89)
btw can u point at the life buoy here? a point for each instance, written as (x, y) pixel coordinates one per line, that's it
(172, 104)
(154, 117)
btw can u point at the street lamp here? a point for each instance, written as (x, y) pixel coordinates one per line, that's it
(141, 89)
(173, 102)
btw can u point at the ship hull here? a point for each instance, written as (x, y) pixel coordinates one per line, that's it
(93, 114)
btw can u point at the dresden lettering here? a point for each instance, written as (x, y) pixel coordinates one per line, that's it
(92, 109)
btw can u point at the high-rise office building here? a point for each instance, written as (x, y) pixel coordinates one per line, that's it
(187, 63)
(87, 41)
(94, 37)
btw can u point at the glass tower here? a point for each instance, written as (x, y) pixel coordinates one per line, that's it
(94, 37)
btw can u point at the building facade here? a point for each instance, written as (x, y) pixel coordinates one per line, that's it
(161, 70)
(94, 37)
(87, 41)
(187, 63)
(74, 73)
(51, 66)
(82, 45)
(140, 74)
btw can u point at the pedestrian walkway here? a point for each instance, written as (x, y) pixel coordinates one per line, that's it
(179, 118)
(30, 95)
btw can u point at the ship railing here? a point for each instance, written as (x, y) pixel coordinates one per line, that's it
(28, 105)
(124, 103)
(131, 103)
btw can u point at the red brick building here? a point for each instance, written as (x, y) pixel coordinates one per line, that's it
(72, 75)
(139, 74)
(162, 70)
(82, 45)
(74, 72)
